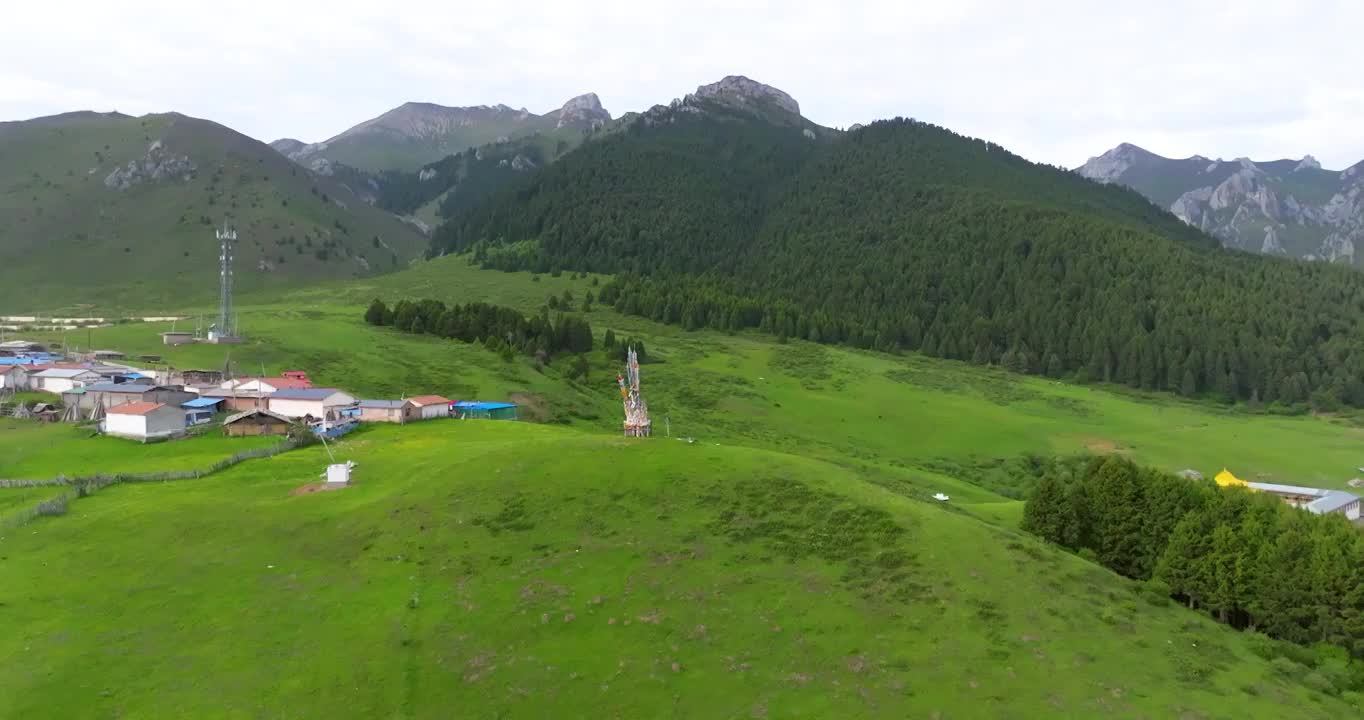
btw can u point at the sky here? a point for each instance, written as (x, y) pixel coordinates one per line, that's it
(1056, 81)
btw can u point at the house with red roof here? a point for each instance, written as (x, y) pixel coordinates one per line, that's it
(143, 421)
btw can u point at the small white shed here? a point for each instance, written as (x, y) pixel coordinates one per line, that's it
(144, 420)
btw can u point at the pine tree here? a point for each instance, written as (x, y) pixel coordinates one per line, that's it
(377, 312)
(609, 342)
(1047, 513)
(1222, 565)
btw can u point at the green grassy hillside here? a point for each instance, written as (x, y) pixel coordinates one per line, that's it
(77, 227)
(515, 571)
(909, 414)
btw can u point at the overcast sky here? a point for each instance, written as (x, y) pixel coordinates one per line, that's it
(1055, 81)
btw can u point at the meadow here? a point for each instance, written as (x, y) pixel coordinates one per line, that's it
(514, 570)
(41, 451)
(788, 561)
(906, 411)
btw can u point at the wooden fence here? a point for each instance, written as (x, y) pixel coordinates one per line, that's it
(88, 484)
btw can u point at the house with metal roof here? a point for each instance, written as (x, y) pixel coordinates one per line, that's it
(107, 395)
(473, 410)
(256, 422)
(431, 406)
(394, 411)
(1317, 501)
(143, 421)
(60, 380)
(316, 403)
(267, 385)
(200, 411)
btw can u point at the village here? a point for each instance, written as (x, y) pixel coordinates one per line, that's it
(149, 405)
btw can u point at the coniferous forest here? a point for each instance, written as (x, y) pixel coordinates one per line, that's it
(905, 236)
(503, 330)
(1246, 558)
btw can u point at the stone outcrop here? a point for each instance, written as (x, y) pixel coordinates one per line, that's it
(743, 92)
(584, 111)
(156, 165)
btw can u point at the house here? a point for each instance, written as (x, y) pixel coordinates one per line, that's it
(144, 421)
(200, 377)
(177, 338)
(1317, 501)
(256, 422)
(394, 411)
(107, 395)
(200, 411)
(15, 347)
(235, 401)
(316, 403)
(267, 385)
(13, 377)
(470, 410)
(60, 380)
(431, 406)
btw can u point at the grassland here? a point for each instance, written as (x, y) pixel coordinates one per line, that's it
(514, 570)
(38, 451)
(789, 562)
(898, 412)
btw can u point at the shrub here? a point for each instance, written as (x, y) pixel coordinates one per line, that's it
(1287, 668)
(1155, 592)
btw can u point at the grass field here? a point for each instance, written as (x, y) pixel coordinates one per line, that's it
(789, 562)
(513, 570)
(897, 411)
(37, 451)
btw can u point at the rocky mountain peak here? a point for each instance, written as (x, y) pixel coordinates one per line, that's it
(745, 92)
(1110, 166)
(1308, 163)
(584, 109)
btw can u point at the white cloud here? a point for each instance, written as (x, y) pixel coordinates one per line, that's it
(1055, 80)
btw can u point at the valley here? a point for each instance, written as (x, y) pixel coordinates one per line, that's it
(884, 366)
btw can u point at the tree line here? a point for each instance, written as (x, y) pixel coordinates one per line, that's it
(903, 236)
(502, 329)
(1246, 558)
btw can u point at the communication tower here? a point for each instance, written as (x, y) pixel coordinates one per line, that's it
(225, 330)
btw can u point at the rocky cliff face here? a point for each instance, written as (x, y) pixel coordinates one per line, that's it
(157, 165)
(1284, 207)
(740, 91)
(582, 111)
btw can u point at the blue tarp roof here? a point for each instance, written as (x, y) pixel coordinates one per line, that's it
(201, 402)
(472, 405)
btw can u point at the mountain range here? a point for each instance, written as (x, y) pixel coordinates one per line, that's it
(727, 208)
(417, 133)
(1293, 208)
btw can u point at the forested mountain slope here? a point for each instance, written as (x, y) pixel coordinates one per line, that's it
(904, 235)
(111, 208)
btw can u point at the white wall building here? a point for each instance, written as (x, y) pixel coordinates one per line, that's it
(143, 420)
(59, 380)
(13, 377)
(318, 403)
